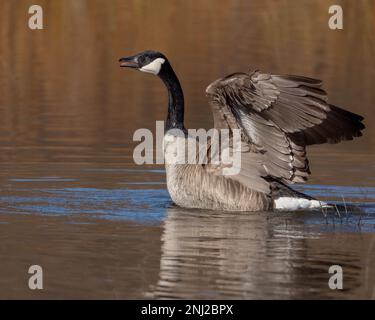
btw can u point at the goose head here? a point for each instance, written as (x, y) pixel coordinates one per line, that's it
(157, 64)
(146, 61)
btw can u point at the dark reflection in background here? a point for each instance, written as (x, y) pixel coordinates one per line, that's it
(67, 117)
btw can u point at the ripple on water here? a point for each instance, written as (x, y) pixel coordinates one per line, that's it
(139, 201)
(141, 205)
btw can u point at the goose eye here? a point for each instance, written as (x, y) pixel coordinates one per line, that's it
(141, 59)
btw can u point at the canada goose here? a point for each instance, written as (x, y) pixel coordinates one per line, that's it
(279, 115)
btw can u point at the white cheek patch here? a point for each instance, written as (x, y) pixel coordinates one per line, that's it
(154, 66)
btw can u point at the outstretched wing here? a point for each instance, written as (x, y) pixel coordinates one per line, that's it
(279, 116)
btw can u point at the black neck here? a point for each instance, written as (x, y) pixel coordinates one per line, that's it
(175, 119)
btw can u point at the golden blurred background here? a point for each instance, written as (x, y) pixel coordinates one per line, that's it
(62, 86)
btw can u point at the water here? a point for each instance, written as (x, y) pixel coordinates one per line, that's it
(73, 201)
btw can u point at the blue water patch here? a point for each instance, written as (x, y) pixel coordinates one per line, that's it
(140, 205)
(338, 192)
(150, 205)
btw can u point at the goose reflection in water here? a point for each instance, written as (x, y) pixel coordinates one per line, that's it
(234, 255)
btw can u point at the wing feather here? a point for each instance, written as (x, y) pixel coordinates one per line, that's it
(279, 116)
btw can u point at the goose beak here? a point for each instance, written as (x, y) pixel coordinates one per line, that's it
(129, 62)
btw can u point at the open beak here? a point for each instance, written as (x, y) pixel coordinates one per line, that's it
(129, 62)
